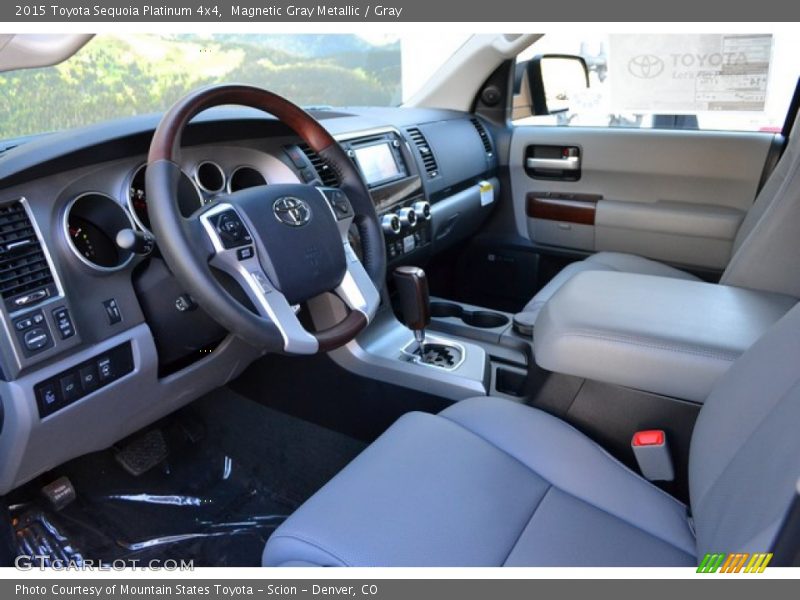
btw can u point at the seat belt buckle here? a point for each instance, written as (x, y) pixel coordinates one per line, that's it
(652, 453)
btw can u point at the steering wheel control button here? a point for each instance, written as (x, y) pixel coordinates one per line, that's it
(231, 231)
(245, 253)
(112, 311)
(74, 383)
(339, 203)
(63, 323)
(70, 387)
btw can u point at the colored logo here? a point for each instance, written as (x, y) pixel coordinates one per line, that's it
(646, 66)
(737, 562)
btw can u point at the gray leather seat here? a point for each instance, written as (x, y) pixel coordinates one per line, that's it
(764, 253)
(490, 482)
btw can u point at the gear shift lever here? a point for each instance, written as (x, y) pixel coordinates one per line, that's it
(412, 286)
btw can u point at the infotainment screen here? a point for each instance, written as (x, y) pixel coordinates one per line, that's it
(377, 163)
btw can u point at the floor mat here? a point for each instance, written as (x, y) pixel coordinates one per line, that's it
(235, 469)
(316, 389)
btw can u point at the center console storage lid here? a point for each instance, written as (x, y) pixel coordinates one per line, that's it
(666, 336)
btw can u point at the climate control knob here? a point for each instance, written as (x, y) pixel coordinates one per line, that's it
(408, 217)
(423, 209)
(391, 224)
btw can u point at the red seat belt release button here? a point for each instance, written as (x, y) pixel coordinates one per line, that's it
(652, 453)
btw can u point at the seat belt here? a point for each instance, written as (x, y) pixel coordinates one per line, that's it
(791, 115)
(779, 144)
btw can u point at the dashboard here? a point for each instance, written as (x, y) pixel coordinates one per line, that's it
(98, 339)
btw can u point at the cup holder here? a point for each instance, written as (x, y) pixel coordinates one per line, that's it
(446, 309)
(482, 319)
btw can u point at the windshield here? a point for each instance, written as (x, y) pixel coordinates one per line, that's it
(119, 75)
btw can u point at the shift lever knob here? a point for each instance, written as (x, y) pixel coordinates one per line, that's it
(415, 302)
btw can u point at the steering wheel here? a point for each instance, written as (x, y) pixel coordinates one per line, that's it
(283, 244)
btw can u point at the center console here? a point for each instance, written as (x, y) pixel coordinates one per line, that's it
(443, 348)
(397, 192)
(665, 336)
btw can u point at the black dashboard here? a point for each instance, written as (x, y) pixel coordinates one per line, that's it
(96, 332)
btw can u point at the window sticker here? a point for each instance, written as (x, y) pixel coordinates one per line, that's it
(689, 73)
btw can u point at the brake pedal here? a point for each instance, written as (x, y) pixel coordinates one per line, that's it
(143, 452)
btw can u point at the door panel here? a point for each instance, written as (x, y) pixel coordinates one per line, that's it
(676, 196)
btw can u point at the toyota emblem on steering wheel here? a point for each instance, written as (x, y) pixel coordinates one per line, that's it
(292, 211)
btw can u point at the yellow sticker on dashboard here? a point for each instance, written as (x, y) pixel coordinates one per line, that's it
(487, 193)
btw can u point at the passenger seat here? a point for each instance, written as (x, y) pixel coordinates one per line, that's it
(766, 254)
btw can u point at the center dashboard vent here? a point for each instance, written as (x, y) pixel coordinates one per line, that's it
(326, 174)
(428, 159)
(25, 275)
(487, 142)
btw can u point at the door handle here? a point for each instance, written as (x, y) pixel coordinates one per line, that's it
(569, 163)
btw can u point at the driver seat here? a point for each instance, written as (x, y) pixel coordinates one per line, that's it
(489, 482)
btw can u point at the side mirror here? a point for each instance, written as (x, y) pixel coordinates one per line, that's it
(554, 79)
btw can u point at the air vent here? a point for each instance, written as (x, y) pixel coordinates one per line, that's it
(487, 142)
(428, 159)
(25, 276)
(325, 172)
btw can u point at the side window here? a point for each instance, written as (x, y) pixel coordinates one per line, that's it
(735, 82)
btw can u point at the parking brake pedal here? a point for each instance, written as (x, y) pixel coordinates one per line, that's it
(143, 452)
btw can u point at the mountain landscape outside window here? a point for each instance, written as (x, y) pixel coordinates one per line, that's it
(118, 75)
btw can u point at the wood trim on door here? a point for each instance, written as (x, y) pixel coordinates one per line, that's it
(577, 208)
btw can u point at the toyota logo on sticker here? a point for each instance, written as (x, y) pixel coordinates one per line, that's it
(646, 66)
